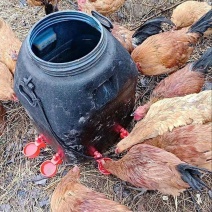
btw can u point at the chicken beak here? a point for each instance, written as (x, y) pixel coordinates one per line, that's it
(15, 98)
(76, 169)
(117, 150)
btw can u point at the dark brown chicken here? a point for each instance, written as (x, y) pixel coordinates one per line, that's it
(192, 144)
(155, 169)
(187, 80)
(71, 196)
(2, 121)
(49, 5)
(167, 52)
(167, 114)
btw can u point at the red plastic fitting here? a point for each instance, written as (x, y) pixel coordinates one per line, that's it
(94, 153)
(49, 167)
(101, 167)
(121, 130)
(32, 149)
(123, 133)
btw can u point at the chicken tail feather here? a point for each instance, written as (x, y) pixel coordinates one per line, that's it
(50, 8)
(149, 28)
(202, 24)
(191, 175)
(204, 63)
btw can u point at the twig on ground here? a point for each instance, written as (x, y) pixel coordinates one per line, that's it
(144, 20)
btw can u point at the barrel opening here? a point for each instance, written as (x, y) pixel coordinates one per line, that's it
(65, 41)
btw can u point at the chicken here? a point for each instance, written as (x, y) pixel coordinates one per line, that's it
(71, 196)
(187, 80)
(105, 7)
(49, 5)
(9, 46)
(168, 51)
(187, 13)
(166, 114)
(6, 84)
(153, 168)
(123, 35)
(191, 144)
(2, 121)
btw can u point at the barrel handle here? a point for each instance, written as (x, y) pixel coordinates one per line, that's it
(106, 22)
(26, 90)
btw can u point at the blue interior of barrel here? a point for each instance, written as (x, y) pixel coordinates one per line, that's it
(65, 41)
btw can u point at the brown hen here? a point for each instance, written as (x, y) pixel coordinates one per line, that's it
(123, 35)
(187, 13)
(105, 7)
(153, 168)
(192, 144)
(71, 196)
(2, 121)
(167, 114)
(167, 52)
(9, 46)
(187, 80)
(6, 84)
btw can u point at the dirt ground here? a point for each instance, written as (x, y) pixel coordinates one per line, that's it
(22, 188)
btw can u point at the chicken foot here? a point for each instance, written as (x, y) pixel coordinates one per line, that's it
(196, 205)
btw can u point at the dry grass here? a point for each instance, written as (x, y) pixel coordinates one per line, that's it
(22, 188)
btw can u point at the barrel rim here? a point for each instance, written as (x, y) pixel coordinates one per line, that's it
(75, 66)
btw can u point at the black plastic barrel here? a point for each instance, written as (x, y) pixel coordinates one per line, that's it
(76, 82)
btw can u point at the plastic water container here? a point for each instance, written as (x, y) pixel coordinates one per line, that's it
(76, 82)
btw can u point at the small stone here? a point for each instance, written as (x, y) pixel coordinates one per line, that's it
(165, 198)
(44, 202)
(210, 193)
(5, 208)
(199, 200)
(41, 182)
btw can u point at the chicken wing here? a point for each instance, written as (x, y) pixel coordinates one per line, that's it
(6, 84)
(155, 169)
(9, 46)
(192, 144)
